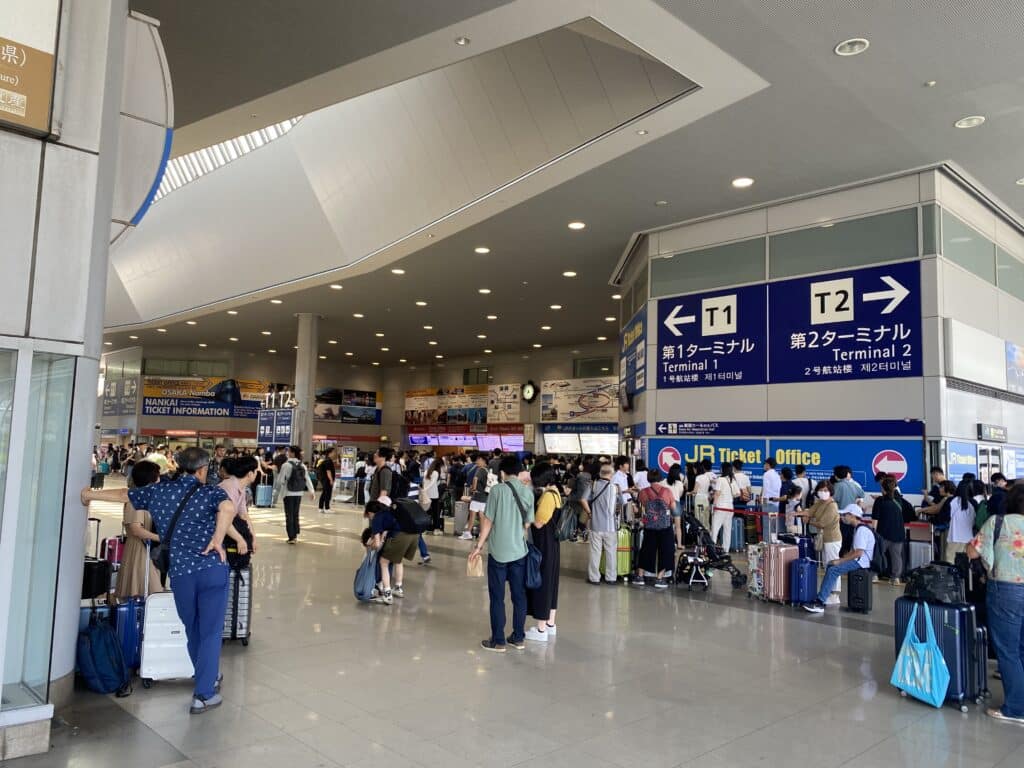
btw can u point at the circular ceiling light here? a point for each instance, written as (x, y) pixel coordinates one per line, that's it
(492, 317)
(385, 349)
(432, 343)
(545, 327)
(202, 344)
(358, 315)
(349, 354)
(233, 338)
(742, 182)
(332, 341)
(272, 351)
(428, 327)
(232, 311)
(641, 132)
(379, 335)
(108, 343)
(397, 271)
(335, 287)
(617, 296)
(462, 40)
(481, 249)
(161, 330)
(484, 291)
(609, 319)
(439, 357)
(421, 303)
(276, 301)
(374, 363)
(556, 307)
(190, 322)
(536, 346)
(971, 121)
(661, 203)
(133, 337)
(570, 273)
(577, 225)
(402, 360)
(852, 47)
(322, 357)
(602, 338)
(265, 333)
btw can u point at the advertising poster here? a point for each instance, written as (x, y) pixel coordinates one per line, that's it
(580, 401)
(961, 458)
(203, 397)
(464, 405)
(503, 403)
(632, 354)
(1014, 368)
(347, 462)
(421, 406)
(348, 406)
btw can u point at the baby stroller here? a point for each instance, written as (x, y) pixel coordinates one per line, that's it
(698, 539)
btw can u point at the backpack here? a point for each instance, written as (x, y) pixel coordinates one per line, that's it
(399, 486)
(878, 561)
(565, 520)
(980, 514)
(492, 480)
(936, 583)
(236, 560)
(410, 516)
(297, 478)
(100, 659)
(657, 516)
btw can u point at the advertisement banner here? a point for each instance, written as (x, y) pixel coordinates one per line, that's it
(961, 458)
(633, 354)
(204, 397)
(28, 43)
(503, 403)
(1014, 368)
(713, 339)
(580, 401)
(464, 405)
(348, 406)
(857, 324)
(347, 462)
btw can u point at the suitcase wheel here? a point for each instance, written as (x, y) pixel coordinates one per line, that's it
(963, 708)
(245, 641)
(147, 683)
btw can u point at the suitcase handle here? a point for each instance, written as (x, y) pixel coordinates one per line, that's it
(97, 521)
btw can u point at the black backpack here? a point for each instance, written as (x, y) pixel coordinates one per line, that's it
(297, 478)
(399, 486)
(411, 517)
(236, 560)
(878, 561)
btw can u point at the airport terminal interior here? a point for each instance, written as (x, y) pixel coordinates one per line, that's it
(742, 281)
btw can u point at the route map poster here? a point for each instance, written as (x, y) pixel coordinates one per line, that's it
(503, 403)
(580, 401)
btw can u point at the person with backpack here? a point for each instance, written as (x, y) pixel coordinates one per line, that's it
(292, 481)
(1000, 545)
(478, 484)
(888, 516)
(542, 603)
(394, 545)
(861, 555)
(657, 552)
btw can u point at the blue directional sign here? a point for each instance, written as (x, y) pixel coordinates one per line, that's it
(632, 354)
(857, 324)
(713, 339)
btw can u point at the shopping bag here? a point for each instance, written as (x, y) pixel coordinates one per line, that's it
(366, 576)
(920, 669)
(475, 567)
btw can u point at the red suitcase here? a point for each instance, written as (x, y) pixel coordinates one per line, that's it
(112, 550)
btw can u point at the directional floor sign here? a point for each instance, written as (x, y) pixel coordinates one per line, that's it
(860, 324)
(712, 339)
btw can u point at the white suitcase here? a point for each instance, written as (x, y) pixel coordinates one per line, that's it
(164, 645)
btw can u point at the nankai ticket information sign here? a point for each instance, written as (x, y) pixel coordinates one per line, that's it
(858, 324)
(713, 339)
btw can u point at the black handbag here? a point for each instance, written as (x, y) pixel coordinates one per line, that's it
(936, 583)
(534, 557)
(160, 553)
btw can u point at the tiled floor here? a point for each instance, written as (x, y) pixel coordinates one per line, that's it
(634, 678)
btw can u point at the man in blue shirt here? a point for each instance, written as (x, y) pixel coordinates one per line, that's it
(858, 557)
(198, 570)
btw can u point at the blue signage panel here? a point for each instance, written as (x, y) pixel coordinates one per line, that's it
(663, 453)
(901, 458)
(265, 428)
(858, 324)
(713, 339)
(283, 426)
(894, 427)
(961, 458)
(633, 354)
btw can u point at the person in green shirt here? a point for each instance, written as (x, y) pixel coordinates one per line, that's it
(508, 514)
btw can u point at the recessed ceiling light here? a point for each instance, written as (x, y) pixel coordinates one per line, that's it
(323, 357)
(852, 47)
(202, 344)
(617, 296)
(358, 315)
(483, 290)
(385, 349)
(428, 327)
(133, 337)
(462, 40)
(971, 121)
(481, 249)
(569, 273)
(576, 225)
(232, 338)
(742, 182)
(609, 319)
(661, 203)
(232, 311)
(276, 301)
(161, 330)
(402, 360)
(332, 341)
(602, 338)
(397, 271)
(335, 287)
(545, 327)
(190, 322)
(379, 335)
(488, 351)
(272, 351)
(432, 343)
(556, 306)
(1020, 182)
(605, 369)
(481, 335)
(421, 303)
(265, 333)
(536, 346)
(296, 346)
(430, 236)
(349, 354)
(641, 132)
(492, 317)
(108, 343)
(575, 351)
(439, 357)
(930, 83)
(374, 363)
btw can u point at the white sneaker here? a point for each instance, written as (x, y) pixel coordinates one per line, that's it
(552, 630)
(533, 634)
(833, 599)
(466, 536)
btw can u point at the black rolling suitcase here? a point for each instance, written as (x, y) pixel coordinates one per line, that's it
(97, 573)
(858, 590)
(962, 642)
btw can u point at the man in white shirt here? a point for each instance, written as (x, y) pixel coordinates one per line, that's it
(620, 480)
(742, 478)
(771, 490)
(858, 557)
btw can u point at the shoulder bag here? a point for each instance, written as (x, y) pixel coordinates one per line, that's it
(160, 553)
(534, 580)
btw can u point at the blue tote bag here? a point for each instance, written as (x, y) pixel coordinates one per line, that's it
(366, 577)
(920, 669)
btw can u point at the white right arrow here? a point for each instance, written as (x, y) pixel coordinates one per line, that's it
(896, 294)
(673, 321)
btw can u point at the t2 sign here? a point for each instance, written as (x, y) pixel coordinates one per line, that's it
(861, 324)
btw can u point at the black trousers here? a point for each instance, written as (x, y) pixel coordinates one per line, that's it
(325, 495)
(291, 515)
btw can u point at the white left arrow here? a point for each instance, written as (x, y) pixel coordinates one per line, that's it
(673, 321)
(661, 429)
(895, 295)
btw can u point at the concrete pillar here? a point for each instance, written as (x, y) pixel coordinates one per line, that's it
(306, 357)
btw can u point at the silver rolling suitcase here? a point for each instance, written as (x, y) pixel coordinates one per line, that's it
(461, 516)
(239, 611)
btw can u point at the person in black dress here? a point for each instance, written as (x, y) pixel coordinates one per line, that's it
(542, 603)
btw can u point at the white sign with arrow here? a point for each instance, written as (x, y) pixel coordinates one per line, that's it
(673, 321)
(895, 295)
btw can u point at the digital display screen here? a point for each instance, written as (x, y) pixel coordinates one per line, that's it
(422, 439)
(561, 443)
(467, 441)
(512, 442)
(596, 444)
(488, 442)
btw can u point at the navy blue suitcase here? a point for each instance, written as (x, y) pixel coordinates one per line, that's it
(806, 544)
(738, 543)
(962, 642)
(803, 581)
(127, 625)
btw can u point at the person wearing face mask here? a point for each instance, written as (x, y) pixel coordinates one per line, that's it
(823, 514)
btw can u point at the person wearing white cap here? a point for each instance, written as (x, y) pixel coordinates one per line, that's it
(858, 557)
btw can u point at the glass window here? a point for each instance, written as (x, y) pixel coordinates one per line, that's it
(966, 246)
(869, 240)
(37, 542)
(8, 363)
(1010, 274)
(721, 265)
(476, 376)
(590, 367)
(929, 230)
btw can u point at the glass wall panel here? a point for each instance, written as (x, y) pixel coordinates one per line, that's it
(966, 246)
(929, 229)
(869, 240)
(592, 367)
(8, 363)
(715, 267)
(30, 623)
(1010, 274)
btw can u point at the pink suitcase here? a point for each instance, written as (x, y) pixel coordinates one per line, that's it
(777, 558)
(112, 550)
